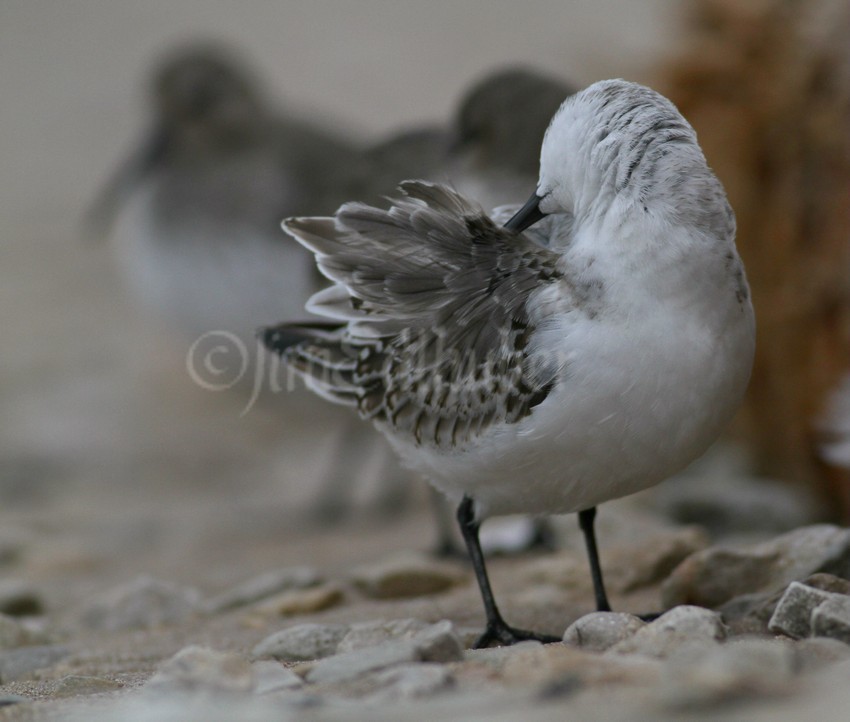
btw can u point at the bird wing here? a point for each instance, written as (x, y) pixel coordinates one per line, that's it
(434, 296)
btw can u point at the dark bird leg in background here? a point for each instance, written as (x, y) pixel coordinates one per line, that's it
(497, 629)
(585, 521)
(445, 546)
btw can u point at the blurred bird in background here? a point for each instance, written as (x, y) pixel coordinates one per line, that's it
(195, 216)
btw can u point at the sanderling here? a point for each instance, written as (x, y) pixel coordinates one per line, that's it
(497, 130)
(486, 150)
(194, 219)
(526, 378)
(198, 236)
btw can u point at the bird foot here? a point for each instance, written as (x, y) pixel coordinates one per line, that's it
(506, 635)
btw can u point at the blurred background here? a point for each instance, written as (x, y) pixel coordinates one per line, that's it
(104, 435)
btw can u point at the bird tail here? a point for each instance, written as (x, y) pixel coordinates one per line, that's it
(320, 355)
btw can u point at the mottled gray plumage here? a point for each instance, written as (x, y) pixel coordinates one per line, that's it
(436, 293)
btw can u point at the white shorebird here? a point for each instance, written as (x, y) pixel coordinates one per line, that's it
(542, 379)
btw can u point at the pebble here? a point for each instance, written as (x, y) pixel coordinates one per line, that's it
(351, 665)
(751, 613)
(303, 601)
(20, 663)
(264, 586)
(439, 643)
(369, 634)
(793, 615)
(406, 575)
(74, 685)
(410, 681)
(436, 643)
(196, 668)
(600, 630)
(301, 642)
(832, 619)
(19, 599)
(741, 668)
(141, 604)
(674, 629)
(718, 574)
(270, 677)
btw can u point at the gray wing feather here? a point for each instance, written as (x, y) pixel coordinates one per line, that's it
(435, 295)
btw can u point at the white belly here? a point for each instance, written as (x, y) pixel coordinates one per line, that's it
(634, 406)
(204, 277)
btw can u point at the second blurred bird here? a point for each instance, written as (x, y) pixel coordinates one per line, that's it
(195, 211)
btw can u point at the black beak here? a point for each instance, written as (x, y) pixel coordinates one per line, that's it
(526, 216)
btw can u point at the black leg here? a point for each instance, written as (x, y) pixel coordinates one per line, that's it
(544, 538)
(585, 521)
(497, 629)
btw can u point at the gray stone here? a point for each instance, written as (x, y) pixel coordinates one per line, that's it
(717, 574)
(301, 642)
(680, 626)
(410, 681)
(264, 586)
(75, 685)
(270, 677)
(20, 663)
(751, 613)
(832, 618)
(436, 643)
(351, 665)
(197, 668)
(439, 643)
(793, 615)
(406, 575)
(368, 634)
(19, 599)
(741, 668)
(600, 630)
(140, 604)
